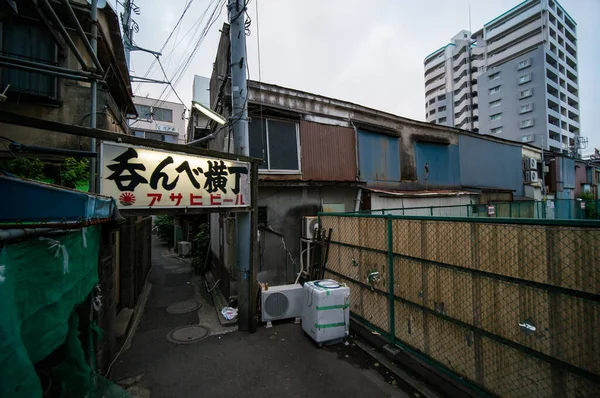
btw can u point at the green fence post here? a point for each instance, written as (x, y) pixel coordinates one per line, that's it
(431, 211)
(391, 280)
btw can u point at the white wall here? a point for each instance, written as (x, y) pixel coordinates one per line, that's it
(384, 202)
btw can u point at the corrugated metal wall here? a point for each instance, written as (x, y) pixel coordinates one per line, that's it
(379, 157)
(442, 161)
(328, 152)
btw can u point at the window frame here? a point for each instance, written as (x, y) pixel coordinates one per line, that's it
(499, 114)
(267, 148)
(162, 110)
(521, 96)
(496, 88)
(526, 64)
(55, 97)
(523, 126)
(526, 76)
(497, 130)
(140, 117)
(494, 76)
(495, 103)
(530, 108)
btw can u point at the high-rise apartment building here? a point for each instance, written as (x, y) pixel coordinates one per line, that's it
(515, 78)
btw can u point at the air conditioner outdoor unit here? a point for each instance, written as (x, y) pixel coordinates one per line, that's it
(529, 164)
(309, 225)
(184, 248)
(531, 176)
(281, 302)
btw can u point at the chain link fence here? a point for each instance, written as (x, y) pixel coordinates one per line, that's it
(511, 305)
(563, 209)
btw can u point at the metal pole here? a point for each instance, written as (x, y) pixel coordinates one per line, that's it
(239, 93)
(544, 204)
(94, 43)
(84, 39)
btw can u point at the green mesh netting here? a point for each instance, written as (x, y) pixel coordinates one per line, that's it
(42, 280)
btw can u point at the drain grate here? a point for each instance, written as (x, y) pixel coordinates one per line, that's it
(188, 334)
(184, 307)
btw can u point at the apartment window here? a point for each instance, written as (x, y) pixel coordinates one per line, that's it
(144, 112)
(442, 109)
(276, 142)
(524, 64)
(494, 90)
(432, 101)
(442, 120)
(526, 93)
(528, 138)
(525, 78)
(162, 115)
(138, 133)
(441, 97)
(32, 43)
(494, 76)
(526, 108)
(497, 116)
(526, 123)
(497, 130)
(495, 103)
(432, 112)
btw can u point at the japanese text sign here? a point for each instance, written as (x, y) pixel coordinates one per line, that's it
(142, 178)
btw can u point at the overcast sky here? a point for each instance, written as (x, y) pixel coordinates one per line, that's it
(368, 52)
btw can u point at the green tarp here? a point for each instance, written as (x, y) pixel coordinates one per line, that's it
(42, 280)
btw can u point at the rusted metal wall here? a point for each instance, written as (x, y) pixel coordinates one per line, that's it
(328, 152)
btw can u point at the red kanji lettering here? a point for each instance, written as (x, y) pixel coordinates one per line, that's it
(195, 200)
(239, 200)
(173, 197)
(156, 197)
(214, 198)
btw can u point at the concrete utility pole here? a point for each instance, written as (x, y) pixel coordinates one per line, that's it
(94, 89)
(127, 39)
(239, 93)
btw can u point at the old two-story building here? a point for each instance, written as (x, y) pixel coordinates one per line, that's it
(324, 154)
(47, 66)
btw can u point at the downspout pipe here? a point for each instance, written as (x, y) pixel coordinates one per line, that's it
(64, 34)
(86, 42)
(358, 201)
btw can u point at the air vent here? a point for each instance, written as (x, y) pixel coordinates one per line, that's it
(276, 305)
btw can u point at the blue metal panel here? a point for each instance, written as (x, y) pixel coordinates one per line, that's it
(568, 171)
(31, 201)
(491, 164)
(379, 157)
(442, 162)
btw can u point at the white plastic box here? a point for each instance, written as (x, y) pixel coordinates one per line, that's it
(326, 310)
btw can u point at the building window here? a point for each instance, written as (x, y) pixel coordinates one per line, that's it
(525, 78)
(138, 133)
(432, 101)
(442, 109)
(162, 115)
(442, 120)
(277, 143)
(528, 138)
(494, 90)
(496, 116)
(524, 64)
(497, 130)
(32, 43)
(526, 93)
(494, 76)
(441, 97)
(526, 108)
(526, 123)
(432, 112)
(144, 112)
(495, 103)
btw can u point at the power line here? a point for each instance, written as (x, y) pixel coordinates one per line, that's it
(186, 8)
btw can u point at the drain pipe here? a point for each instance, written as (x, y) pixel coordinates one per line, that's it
(358, 200)
(356, 150)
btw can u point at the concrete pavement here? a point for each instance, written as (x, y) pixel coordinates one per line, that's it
(276, 362)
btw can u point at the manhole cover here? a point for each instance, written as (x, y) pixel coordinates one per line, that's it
(188, 334)
(183, 307)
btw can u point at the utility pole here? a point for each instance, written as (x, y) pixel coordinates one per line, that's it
(127, 39)
(239, 94)
(94, 90)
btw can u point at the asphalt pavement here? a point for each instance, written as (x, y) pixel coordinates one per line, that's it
(276, 362)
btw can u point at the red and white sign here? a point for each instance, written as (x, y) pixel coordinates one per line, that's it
(142, 178)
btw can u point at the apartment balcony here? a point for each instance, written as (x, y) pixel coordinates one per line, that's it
(436, 61)
(498, 58)
(524, 31)
(492, 31)
(436, 73)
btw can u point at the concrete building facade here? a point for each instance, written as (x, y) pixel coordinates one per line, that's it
(159, 120)
(515, 78)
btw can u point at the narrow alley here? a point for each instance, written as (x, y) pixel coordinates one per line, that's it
(280, 361)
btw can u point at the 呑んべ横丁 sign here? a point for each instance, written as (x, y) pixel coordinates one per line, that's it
(148, 178)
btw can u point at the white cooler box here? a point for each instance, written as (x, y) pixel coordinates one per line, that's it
(326, 310)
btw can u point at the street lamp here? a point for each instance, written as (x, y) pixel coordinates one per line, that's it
(209, 112)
